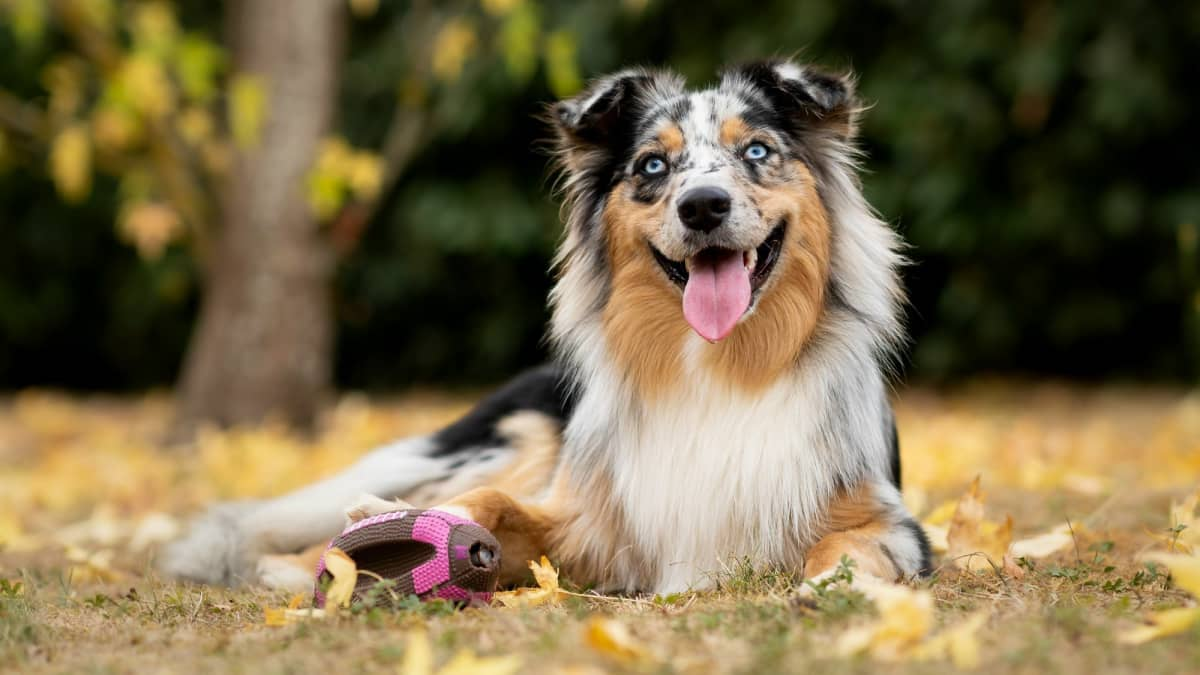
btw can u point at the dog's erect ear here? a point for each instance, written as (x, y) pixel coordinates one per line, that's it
(806, 97)
(600, 119)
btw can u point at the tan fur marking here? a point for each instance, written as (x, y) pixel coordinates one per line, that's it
(671, 139)
(522, 529)
(855, 522)
(643, 319)
(733, 130)
(770, 340)
(860, 545)
(536, 438)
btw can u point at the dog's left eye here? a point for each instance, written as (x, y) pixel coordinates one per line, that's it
(755, 152)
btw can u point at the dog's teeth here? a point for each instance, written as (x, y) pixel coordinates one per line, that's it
(750, 259)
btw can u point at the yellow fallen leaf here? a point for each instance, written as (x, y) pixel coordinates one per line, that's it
(937, 537)
(544, 574)
(901, 632)
(275, 616)
(1185, 526)
(153, 528)
(418, 660)
(1185, 570)
(970, 534)
(307, 613)
(1162, 624)
(943, 513)
(547, 591)
(1044, 544)
(418, 656)
(345, 577)
(285, 616)
(612, 639)
(92, 567)
(297, 600)
(466, 663)
(13, 537)
(959, 642)
(905, 618)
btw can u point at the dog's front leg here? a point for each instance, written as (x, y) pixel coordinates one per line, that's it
(523, 530)
(870, 526)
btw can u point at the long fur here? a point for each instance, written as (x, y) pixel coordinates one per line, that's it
(677, 455)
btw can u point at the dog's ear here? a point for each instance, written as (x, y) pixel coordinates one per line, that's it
(805, 97)
(599, 122)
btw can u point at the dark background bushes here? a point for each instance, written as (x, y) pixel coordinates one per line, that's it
(1039, 158)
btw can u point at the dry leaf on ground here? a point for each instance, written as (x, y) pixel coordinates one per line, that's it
(345, 577)
(612, 639)
(418, 660)
(906, 618)
(547, 591)
(973, 542)
(1185, 571)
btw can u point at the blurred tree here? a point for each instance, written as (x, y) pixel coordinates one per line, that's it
(263, 342)
(265, 202)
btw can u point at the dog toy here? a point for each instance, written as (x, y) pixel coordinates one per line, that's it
(427, 553)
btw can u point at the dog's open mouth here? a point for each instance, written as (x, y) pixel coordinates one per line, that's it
(718, 284)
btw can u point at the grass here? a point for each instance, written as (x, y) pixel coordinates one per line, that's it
(1111, 460)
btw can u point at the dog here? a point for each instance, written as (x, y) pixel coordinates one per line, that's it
(725, 313)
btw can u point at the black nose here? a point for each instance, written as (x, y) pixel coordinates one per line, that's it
(704, 208)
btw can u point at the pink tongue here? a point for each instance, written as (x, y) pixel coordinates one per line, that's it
(717, 293)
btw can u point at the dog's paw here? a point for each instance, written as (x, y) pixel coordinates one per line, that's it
(368, 505)
(284, 573)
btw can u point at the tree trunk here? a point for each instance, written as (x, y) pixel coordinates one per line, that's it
(263, 342)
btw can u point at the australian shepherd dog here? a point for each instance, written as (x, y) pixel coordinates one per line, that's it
(725, 309)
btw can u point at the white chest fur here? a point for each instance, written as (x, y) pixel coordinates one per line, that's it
(710, 473)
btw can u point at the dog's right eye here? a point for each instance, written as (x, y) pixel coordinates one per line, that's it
(652, 166)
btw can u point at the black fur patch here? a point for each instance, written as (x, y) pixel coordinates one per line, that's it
(542, 390)
(895, 454)
(923, 542)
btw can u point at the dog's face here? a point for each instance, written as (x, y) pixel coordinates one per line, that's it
(703, 208)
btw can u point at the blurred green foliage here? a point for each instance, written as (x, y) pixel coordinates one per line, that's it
(1039, 157)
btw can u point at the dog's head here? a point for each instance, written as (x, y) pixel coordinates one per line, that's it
(707, 210)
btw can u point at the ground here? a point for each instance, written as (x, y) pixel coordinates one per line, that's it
(87, 495)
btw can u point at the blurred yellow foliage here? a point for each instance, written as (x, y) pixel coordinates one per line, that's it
(247, 109)
(198, 62)
(195, 125)
(452, 46)
(114, 128)
(364, 8)
(154, 28)
(150, 227)
(518, 40)
(502, 7)
(97, 14)
(562, 70)
(340, 171)
(71, 163)
(28, 19)
(63, 79)
(145, 80)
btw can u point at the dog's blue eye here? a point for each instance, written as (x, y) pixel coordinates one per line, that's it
(653, 166)
(756, 151)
